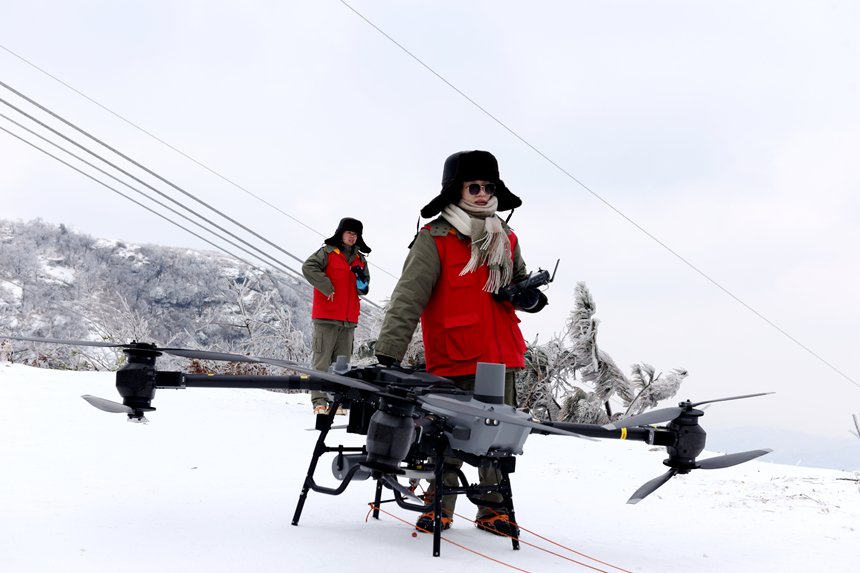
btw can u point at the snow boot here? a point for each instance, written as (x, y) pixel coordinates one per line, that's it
(425, 522)
(496, 524)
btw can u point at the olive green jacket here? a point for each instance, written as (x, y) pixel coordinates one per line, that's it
(417, 281)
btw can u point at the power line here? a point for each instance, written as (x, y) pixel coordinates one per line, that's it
(157, 202)
(173, 148)
(83, 95)
(139, 204)
(135, 163)
(601, 199)
(286, 267)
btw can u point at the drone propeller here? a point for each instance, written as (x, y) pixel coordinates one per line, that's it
(208, 355)
(117, 408)
(730, 460)
(400, 488)
(714, 463)
(668, 414)
(108, 405)
(445, 404)
(72, 342)
(199, 354)
(334, 378)
(648, 488)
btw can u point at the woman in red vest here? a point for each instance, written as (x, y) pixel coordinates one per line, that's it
(454, 266)
(338, 272)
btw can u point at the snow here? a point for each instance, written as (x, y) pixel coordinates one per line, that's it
(212, 482)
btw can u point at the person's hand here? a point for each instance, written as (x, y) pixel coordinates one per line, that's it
(330, 297)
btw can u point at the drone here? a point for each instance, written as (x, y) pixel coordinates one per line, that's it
(410, 417)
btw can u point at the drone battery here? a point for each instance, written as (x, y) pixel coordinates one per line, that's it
(490, 383)
(341, 465)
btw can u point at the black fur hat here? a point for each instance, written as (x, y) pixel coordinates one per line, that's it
(469, 166)
(348, 224)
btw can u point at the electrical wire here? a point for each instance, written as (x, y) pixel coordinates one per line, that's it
(152, 199)
(286, 267)
(601, 199)
(233, 183)
(147, 170)
(139, 204)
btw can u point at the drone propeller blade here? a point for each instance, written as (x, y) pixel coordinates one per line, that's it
(731, 398)
(731, 459)
(646, 419)
(668, 414)
(441, 404)
(73, 342)
(401, 489)
(207, 355)
(651, 486)
(107, 405)
(333, 378)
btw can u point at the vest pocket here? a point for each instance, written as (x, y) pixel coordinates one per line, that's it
(463, 337)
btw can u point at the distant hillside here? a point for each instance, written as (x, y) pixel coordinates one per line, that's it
(791, 448)
(58, 283)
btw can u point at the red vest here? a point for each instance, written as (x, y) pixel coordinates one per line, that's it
(346, 304)
(462, 324)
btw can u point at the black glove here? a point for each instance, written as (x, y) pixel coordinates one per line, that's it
(385, 360)
(358, 271)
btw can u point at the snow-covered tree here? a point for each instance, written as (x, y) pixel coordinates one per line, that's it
(575, 383)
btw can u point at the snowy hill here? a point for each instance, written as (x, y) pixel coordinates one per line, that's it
(791, 448)
(57, 283)
(211, 485)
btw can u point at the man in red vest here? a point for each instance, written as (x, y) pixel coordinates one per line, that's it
(338, 272)
(454, 266)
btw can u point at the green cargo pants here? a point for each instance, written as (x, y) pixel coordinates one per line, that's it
(486, 476)
(332, 338)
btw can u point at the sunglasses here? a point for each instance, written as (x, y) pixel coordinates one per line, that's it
(475, 188)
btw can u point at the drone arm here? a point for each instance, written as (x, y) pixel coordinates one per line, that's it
(651, 435)
(180, 381)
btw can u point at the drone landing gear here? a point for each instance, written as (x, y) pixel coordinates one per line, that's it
(324, 424)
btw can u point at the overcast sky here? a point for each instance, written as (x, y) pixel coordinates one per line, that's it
(727, 131)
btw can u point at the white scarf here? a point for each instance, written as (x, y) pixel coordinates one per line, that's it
(490, 244)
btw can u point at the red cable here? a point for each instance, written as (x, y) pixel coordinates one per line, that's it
(372, 507)
(554, 543)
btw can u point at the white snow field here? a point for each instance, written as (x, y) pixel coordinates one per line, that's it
(212, 482)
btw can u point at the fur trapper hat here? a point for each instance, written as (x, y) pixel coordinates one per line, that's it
(348, 224)
(469, 166)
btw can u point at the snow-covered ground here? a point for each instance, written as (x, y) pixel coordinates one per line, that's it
(212, 482)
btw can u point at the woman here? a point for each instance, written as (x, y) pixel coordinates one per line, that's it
(455, 265)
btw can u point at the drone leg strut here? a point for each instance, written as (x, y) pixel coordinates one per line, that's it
(319, 450)
(378, 500)
(507, 494)
(437, 504)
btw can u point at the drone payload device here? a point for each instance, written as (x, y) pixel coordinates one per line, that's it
(410, 417)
